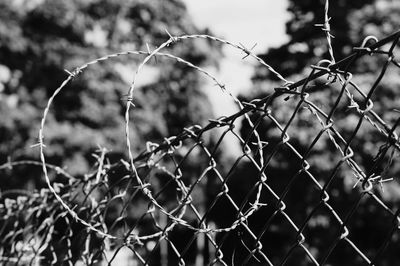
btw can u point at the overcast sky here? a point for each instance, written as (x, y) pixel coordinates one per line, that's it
(247, 22)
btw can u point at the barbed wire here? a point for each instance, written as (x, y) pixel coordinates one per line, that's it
(156, 196)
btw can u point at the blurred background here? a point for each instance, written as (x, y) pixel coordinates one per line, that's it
(39, 39)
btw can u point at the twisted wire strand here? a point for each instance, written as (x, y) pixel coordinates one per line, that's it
(258, 153)
(78, 70)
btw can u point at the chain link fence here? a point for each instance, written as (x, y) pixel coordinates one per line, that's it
(181, 203)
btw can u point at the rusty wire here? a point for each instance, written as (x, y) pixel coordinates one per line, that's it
(154, 197)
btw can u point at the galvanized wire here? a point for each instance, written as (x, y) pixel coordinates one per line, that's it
(140, 205)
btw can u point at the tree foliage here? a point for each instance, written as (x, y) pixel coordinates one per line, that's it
(351, 22)
(39, 39)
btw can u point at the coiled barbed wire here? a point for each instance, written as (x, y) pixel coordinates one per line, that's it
(30, 237)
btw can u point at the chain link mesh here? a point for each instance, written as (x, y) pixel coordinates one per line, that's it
(181, 203)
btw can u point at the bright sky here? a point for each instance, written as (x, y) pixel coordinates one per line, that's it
(247, 22)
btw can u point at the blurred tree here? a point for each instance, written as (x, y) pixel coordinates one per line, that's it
(307, 44)
(351, 22)
(39, 39)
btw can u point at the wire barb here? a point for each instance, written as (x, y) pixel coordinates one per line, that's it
(182, 200)
(247, 51)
